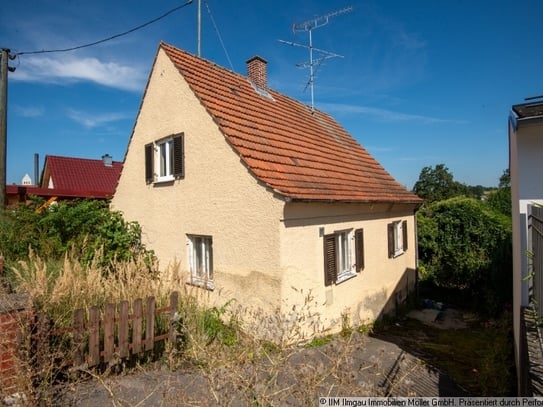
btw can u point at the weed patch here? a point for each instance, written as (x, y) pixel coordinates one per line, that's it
(480, 358)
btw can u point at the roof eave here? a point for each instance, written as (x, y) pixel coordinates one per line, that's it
(417, 202)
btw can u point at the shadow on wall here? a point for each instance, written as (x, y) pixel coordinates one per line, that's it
(393, 301)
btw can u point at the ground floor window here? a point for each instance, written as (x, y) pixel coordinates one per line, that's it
(343, 255)
(201, 260)
(397, 238)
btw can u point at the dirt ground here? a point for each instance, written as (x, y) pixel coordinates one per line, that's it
(359, 365)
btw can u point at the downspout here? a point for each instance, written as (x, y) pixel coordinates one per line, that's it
(416, 253)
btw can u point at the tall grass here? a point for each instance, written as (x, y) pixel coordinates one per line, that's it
(58, 289)
(239, 352)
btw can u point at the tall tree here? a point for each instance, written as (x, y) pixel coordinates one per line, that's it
(436, 184)
(505, 179)
(500, 199)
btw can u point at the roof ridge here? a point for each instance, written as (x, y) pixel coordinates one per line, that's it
(78, 158)
(241, 76)
(291, 148)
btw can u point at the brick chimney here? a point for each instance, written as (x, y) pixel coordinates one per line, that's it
(256, 71)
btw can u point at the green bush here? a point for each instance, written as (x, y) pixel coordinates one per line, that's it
(465, 245)
(81, 226)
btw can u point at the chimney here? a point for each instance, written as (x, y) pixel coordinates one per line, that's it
(108, 160)
(256, 71)
(36, 169)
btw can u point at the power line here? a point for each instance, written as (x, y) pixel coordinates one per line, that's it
(139, 27)
(218, 35)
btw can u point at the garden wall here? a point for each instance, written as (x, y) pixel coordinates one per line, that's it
(15, 315)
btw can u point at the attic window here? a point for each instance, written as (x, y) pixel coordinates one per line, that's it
(164, 159)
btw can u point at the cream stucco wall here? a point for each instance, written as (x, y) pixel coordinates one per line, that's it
(372, 292)
(217, 197)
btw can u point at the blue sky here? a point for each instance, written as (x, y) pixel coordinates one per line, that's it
(419, 83)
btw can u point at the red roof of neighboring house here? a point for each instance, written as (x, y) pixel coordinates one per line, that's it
(81, 177)
(300, 153)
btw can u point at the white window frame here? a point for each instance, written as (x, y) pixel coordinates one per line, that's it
(398, 238)
(164, 166)
(345, 255)
(200, 255)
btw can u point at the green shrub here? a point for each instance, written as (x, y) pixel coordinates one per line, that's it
(83, 227)
(466, 245)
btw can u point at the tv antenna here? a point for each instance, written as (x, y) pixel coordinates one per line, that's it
(309, 26)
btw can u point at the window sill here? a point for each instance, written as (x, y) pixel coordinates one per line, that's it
(345, 276)
(398, 254)
(163, 180)
(208, 284)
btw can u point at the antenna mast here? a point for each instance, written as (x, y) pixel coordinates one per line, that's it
(199, 27)
(309, 26)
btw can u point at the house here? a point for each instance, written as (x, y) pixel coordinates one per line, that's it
(262, 199)
(526, 167)
(70, 178)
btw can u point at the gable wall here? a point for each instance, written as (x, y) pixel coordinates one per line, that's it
(371, 292)
(217, 197)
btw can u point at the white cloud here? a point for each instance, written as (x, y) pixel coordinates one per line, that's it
(62, 70)
(28, 111)
(383, 114)
(95, 120)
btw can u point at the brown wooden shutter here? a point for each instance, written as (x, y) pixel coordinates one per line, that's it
(404, 231)
(390, 233)
(330, 260)
(211, 258)
(359, 249)
(149, 170)
(178, 156)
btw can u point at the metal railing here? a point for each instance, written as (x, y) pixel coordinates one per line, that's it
(535, 256)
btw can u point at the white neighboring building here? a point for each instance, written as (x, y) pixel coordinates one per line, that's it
(526, 169)
(26, 180)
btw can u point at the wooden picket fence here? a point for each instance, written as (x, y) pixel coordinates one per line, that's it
(120, 331)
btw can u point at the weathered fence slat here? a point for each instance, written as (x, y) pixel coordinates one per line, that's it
(150, 324)
(123, 329)
(136, 326)
(78, 336)
(94, 336)
(109, 331)
(174, 303)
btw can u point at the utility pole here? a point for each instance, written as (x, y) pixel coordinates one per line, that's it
(4, 68)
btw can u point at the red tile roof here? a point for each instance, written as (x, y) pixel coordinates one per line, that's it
(83, 177)
(300, 153)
